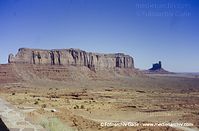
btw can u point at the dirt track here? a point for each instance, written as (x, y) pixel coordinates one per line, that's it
(14, 119)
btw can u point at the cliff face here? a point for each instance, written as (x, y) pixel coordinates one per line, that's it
(74, 57)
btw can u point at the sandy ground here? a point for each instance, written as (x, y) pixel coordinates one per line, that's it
(144, 102)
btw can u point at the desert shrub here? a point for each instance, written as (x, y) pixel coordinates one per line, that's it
(140, 91)
(108, 90)
(43, 105)
(92, 98)
(76, 107)
(13, 93)
(82, 106)
(54, 124)
(36, 102)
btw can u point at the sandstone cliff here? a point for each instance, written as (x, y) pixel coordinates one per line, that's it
(76, 57)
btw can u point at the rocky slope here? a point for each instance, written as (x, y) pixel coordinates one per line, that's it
(7, 73)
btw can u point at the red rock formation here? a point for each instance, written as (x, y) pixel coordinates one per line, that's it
(74, 57)
(64, 65)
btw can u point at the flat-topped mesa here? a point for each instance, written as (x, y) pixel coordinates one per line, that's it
(71, 56)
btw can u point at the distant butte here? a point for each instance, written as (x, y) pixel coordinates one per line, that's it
(156, 66)
(157, 69)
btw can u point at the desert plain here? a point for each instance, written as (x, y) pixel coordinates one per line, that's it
(90, 104)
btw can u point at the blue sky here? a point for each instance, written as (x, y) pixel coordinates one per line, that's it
(148, 30)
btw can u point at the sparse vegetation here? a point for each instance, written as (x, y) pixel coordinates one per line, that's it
(139, 91)
(54, 124)
(82, 106)
(76, 107)
(36, 103)
(43, 105)
(195, 113)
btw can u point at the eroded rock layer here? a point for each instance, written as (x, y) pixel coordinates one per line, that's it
(7, 74)
(71, 56)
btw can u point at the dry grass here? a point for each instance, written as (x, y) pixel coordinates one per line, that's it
(54, 124)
